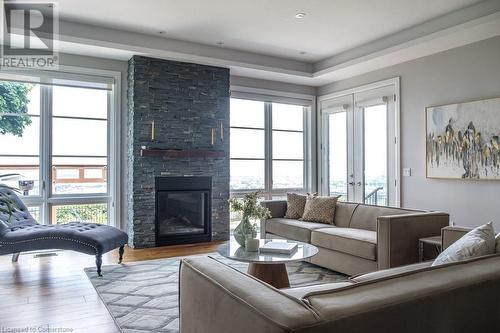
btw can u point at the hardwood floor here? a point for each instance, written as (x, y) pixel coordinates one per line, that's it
(37, 292)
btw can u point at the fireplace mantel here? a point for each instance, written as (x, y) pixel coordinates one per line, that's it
(174, 153)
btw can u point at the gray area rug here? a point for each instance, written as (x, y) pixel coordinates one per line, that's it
(142, 296)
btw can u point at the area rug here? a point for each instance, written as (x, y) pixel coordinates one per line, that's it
(142, 296)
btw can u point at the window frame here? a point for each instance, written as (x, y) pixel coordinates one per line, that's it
(270, 97)
(46, 199)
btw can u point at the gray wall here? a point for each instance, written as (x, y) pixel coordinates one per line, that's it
(466, 73)
(272, 85)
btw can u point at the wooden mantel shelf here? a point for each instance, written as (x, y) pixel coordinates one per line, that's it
(195, 153)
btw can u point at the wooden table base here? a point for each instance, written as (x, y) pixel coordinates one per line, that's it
(273, 274)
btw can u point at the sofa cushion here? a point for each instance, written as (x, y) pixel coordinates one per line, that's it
(357, 242)
(343, 213)
(365, 216)
(300, 292)
(497, 243)
(292, 229)
(372, 276)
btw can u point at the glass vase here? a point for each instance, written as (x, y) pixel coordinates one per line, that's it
(244, 230)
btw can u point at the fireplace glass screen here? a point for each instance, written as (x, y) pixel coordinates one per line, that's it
(182, 212)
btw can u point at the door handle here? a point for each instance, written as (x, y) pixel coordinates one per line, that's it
(353, 183)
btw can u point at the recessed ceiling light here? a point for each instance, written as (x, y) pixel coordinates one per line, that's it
(300, 15)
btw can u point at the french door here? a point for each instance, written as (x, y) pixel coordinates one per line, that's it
(359, 146)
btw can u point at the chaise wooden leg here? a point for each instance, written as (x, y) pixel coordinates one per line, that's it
(15, 257)
(120, 252)
(98, 263)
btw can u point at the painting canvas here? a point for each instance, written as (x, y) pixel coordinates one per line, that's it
(462, 140)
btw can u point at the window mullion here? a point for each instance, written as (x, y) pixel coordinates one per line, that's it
(268, 151)
(45, 148)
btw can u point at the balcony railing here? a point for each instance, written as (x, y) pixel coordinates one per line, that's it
(66, 176)
(373, 197)
(95, 213)
(62, 174)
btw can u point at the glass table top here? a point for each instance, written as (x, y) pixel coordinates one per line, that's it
(233, 250)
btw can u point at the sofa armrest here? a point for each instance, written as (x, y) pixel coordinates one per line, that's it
(451, 234)
(398, 235)
(277, 209)
(215, 298)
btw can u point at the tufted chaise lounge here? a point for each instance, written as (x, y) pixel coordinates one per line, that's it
(25, 234)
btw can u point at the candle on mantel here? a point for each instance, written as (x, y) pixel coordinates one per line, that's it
(153, 130)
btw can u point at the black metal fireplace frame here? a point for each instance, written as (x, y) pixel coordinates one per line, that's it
(180, 185)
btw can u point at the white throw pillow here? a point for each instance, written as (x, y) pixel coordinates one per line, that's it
(497, 241)
(478, 242)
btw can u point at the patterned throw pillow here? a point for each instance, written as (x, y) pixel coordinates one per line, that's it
(295, 204)
(320, 209)
(476, 243)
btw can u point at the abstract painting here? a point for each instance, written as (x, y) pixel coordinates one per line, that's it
(462, 140)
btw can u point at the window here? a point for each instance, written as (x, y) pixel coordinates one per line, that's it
(267, 147)
(57, 149)
(287, 146)
(247, 137)
(79, 140)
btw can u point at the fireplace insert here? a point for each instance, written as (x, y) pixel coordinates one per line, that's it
(183, 210)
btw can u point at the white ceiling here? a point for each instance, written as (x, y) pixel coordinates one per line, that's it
(266, 27)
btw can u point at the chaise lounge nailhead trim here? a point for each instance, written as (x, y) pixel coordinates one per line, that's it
(45, 238)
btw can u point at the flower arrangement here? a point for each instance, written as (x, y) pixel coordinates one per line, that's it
(249, 209)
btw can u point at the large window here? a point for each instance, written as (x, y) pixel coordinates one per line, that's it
(268, 145)
(56, 150)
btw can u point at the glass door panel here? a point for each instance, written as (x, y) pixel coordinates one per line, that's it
(375, 155)
(337, 155)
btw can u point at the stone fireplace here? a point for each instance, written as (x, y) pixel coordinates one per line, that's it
(178, 126)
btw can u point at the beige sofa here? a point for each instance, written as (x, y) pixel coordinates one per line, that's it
(364, 238)
(458, 297)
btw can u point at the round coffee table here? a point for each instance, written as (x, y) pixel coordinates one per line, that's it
(265, 266)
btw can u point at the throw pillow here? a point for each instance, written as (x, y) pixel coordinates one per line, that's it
(295, 204)
(320, 209)
(478, 242)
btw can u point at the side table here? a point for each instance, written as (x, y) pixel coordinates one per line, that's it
(434, 241)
